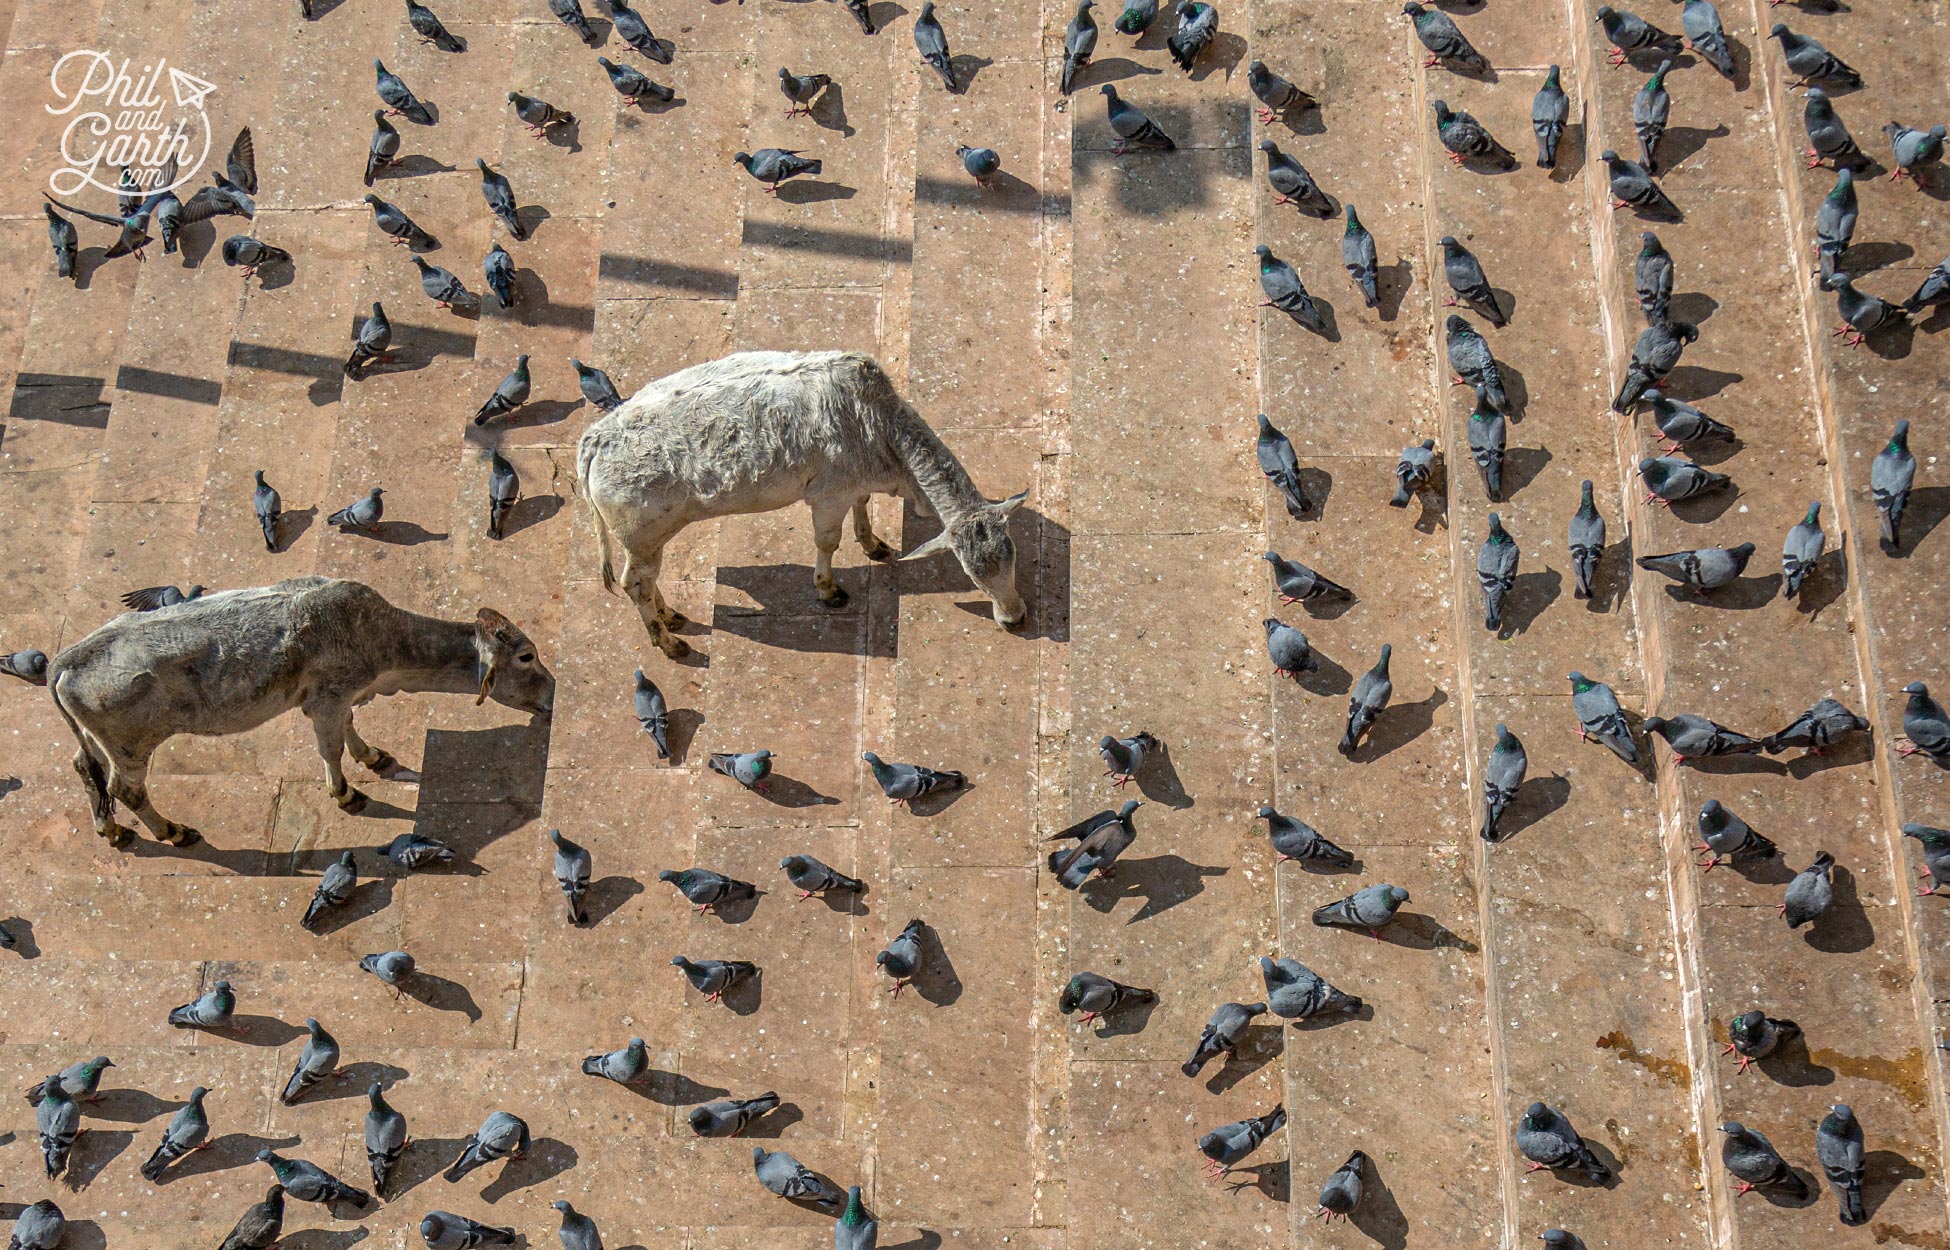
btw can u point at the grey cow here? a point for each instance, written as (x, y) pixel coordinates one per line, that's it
(230, 661)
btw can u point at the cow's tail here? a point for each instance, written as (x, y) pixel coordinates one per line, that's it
(585, 460)
(93, 753)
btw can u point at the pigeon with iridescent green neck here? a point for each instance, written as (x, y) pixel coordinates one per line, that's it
(1835, 223)
(1600, 717)
(1936, 855)
(748, 769)
(1292, 184)
(1275, 94)
(1811, 62)
(625, 1066)
(1668, 479)
(1587, 543)
(1724, 836)
(1487, 435)
(1801, 553)
(78, 1080)
(789, 1178)
(1496, 571)
(1651, 108)
(1822, 725)
(1502, 777)
(1295, 992)
(1445, 41)
(1550, 108)
(1358, 257)
(1098, 996)
(1890, 476)
(307, 1182)
(1371, 908)
(855, 1229)
(318, 1058)
(1631, 34)
(1912, 148)
(1284, 291)
(187, 1130)
(1754, 1035)
(707, 889)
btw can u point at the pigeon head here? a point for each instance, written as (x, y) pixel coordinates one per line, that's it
(1651, 241)
(1927, 836)
(1071, 996)
(1746, 1025)
(1608, 156)
(1266, 811)
(1456, 325)
(742, 158)
(1413, 10)
(1900, 440)
(1397, 896)
(1269, 147)
(1256, 70)
(1605, 11)
(1130, 806)
(1734, 1128)
(1109, 89)
(1817, 100)
(1656, 724)
(1918, 689)
(667, 875)
(1654, 396)
(1536, 1114)
(1780, 31)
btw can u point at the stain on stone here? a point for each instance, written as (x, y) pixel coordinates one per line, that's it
(1885, 1232)
(1905, 1075)
(1668, 1071)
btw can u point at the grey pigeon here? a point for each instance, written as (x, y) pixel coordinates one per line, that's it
(1835, 222)
(1600, 717)
(307, 1182)
(1706, 36)
(511, 394)
(1295, 992)
(133, 226)
(39, 1226)
(1503, 776)
(1862, 314)
(1496, 571)
(504, 488)
(318, 1058)
(1752, 1161)
(1371, 908)
(1359, 259)
(902, 782)
(859, 10)
(981, 164)
(1131, 126)
(1631, 34)
(269, 506)
(1414, 470)
(1810, 893)
(1371, 693)
(1890, 476)
(633, 30)
(416, 850)
(1101, 838)
(1753, 1035)
(748, 768)
(634, 85)
(652, 714)
(1934, 290)
(188, 1129)
(1935, 844)
(501, 1136)
(210, 1011)
(1222, 1034)
(252, 254)
(1724, 836)
(29, 665)
(1838, 1148)
(1654, 355)
(1550, 108)
(1546, 1138)
(1123, 757)
(539, 115)
(1925, 724)
(801, 90)
(498, 269)
(1558, 1239)
(1275, 94)
(809, 876)
(500, 197)
(1282, 467)
(259, 1227)
(577, 1231)
(1680, 423)
(855, 1229)
(1632, 186)
(1708, 568)
(153, 598)
(789, 1178)
(1098, 996)
(901, 959)
(1474, 365)
(1828, 137)
(706, 889)
(386, 1137)
(1467, 279)
(1297, 840)
(1668, 479)
(1079, 42)
(1342, 1192)
(65, 242)
(728, 1117)
(1651, 108)
(1913, 148)
(58, 1120)
(78, 1080)
(1295, 582)
(1444, 40)
(1811, 62)
(1652, 278)
(1198, 25)
(1692, 736)
(1288, 648)
(625, 1066)
(932, 43)
(1292, 184)
(1488, 438)
(1822, 725)
(1231, 1143)
(1468, 139)
(712, 977)
(569, 13)
(398, 97)
(395, 968)
(1284, 291)
(596, 386)
(374, 337)
(442, 287)
(572, 867)
(443, 1230)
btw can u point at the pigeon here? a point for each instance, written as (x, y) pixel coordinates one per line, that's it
(1467, 139)
(210, 1011)
(252, 254)
(1838, 1147)
(1550, 108)
(78, 1080)
(1652, 275)
(1137, 16)
(1496, 570)
(902, 782)
(261, 1224)
(154, 598)
(1600, 717)
(1131, 126)
(501, 1136)
(1342, 1192)
(1925, 724)
(1825, 723)
(772, 166)
(443, 1230)
(578, 1231)
(1862, 314)
(932, 43)
(1294, 992)
(269, 507)
(1282, 467)
(1222, 1034)
(370, 344)
(318, 1058)
(511, 394)
(307, 1182)
(58, 1120)
(1547, 1139)
(1704, 35)
(596, 386)
(1934, 292)
(1558, 1239)
(855, 1229)
(427, 26)
(1651, 107)
(1372, 690)
(1587, 543)
(498, 268)
(706, 889)
(398, 97)
(858, 8)
(133, 225)
(1467, 280)
(1079, 41)
(801, 90)
(1681, 423)
(728, 1117)
(1444, 40)
(538, 114)
(572, 870)
(188, 1129)
(1708, 568)
(1913, 148)
(634, 85)
(1835, 223)
(1752, 1161)
(652, 714)
(1754, 1036)
(39, 1226)
(442, 287)
(416, 850)
(749, 769)
(1123, 757)
(981, 164)
(901, 959)
(1669, 479)
(8, 940)
(386, 1137)
(1370, 908)
(1695, 737)
(1286, 292)
(1488, 435)
(500, 197)
(1502, 778)
(392, 967)
(1470, 357)
(1654, 355)
(712, 977)
(1811, 62)
(1413, 472)
(504, 488)
(633, 30)
(1936, 855)
(1289, 650)
(1297, 840)
(789, 1178)
(1197, 25)
(1359, 259)
(1274, 93)
(1101, 838)
(29, 665)
(569, 13)
(1631, 34)
(66, 243)
(1828, 138)
(1295, 582)
(1724, 836)
(1098, 996)
(1292, 183)
(1890, 475)
(1231, 1143)
(1632, 185)
(625, 1066)
(1810, 893)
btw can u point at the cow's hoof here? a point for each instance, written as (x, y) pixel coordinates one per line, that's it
(119, 836)
(674, 648)
(352, 801)
(834, 601)
(382, 763)
(179, 835)
(673, 620)
(879, 551)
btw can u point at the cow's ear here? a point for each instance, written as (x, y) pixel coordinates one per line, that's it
(490, 626)
(487, 684)
(940, 542)
(1009, 505)
(489, 632)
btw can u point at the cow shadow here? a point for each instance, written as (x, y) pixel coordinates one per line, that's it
(1259, 1044)
(442, 995)
(1845, 927)
(1536, 799)
(545, 1159)
(1162, 881)
(1398, 725)
(936, 979)
(606, 896)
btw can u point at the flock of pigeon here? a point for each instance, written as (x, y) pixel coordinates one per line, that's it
(1543, 1134)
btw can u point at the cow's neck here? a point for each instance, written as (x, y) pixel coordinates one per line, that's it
(935, 472)
(436, 656)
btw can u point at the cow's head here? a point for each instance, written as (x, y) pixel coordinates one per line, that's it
(980, 540)
(511, 672)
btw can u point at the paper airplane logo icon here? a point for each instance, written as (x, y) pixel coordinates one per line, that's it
(189, 89)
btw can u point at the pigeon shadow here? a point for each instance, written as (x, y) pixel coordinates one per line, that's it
(442, 995)
(530, 415)
(1378, 1215)
(1570, 153)
(1882, 1171)
(85, 1235)
(1695, 382)
(1328, 678)
(964, 69)
(606, 896)
(1516, 391)
(566, 135)
(259, 1031)
(680, 732)
(1112, 69)
(1857, 748)
(401, 534)
(673, 1089)
(21, 930)
(939, 801)
(783, 791)
(1892, 342)
(1275, 1180)
(1259, 1044)
(1760, 869)
(738, 910)
(1162, 881)
(1416, 932)
(531, 511)
(1692, 306)
(1521, 467)
(1730, 765)
(1158, 780)
(417, 165)
(1864, 258)
(232, 1150)
(369, 899)
(294, 522)
(423, 1159)
(1742, 594)
(1792, 1065)
(1391, 286)
(1127, 1020)
(1328, 607)
(93, 1151)
(1612, 579)
(924, 1239)
(1701, 509)
(545, 1159)
(1221, 56)
(1536, 798)
(1398, 725)
(935, 980)
(1715, 451)
(129, 1106)
(746, 995)
(829, 110)
(1845, 927)
(1681, 142)
(1928, 505)
(1328, 1019)
(277, 276)
(324, 1239)
(1529, 595)
(814, 192)
(773, 1124)
(357, 1079)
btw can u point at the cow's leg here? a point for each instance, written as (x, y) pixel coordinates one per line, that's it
(328, 727)
(827, 513)
(640, 583)
(869, 541)
(101, 808)
(372, 757)
(128, 784)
